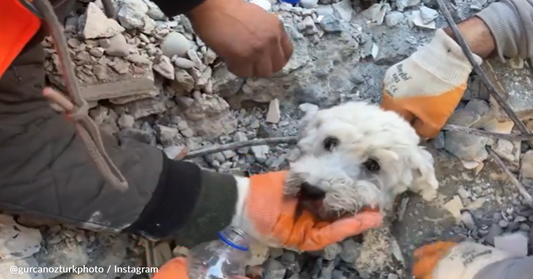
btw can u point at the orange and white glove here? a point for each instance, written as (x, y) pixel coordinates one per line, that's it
(426, 87)
(467, 260)
(177, 269)
(268, 216)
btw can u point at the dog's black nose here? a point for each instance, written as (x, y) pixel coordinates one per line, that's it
(310, 192)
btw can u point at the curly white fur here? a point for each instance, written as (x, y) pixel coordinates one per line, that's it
(362, 132)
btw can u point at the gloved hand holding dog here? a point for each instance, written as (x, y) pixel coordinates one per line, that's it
(467, 260)
(426, 87)
(267, 215)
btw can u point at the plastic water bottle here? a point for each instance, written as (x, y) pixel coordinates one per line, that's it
(221, 258)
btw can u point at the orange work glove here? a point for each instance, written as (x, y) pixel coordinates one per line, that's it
(252, 41)
(269, 217)
(177, 269)
(451, 260)
(426, 87)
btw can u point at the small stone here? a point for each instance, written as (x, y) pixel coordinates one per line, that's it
(309, 4)
(260, 152)
(331, 251)
(183, 63)
(118, 46)
(350, 250)
(164, 67)
(394, 18)
(167, 134)
(503, 224)
(274, 113)
(402, 4)
(331, 24)
(176, 44)
(241, 137)
(185, 80)
(428, 15)
(273, 269)
(125, 121)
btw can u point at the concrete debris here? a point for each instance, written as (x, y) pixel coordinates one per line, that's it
(151, 79)
(97, 25)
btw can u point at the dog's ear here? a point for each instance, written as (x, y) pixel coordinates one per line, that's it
(424, 180)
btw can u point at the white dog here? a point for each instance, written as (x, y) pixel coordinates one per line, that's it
(356, 155)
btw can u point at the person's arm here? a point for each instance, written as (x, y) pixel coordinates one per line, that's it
(45, 171)
(504, 28)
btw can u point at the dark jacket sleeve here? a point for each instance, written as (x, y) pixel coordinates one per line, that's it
(45, 171)
(176, 7)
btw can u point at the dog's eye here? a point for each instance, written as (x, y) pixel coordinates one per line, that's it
(330, 142)
(372, 165)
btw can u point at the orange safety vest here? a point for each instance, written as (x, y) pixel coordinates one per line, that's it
(18, 26)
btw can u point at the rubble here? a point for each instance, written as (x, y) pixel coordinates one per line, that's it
(150, 79)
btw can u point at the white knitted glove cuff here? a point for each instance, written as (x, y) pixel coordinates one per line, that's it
(444, 58)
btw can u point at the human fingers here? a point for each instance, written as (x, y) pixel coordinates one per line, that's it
(57, 98)
(173, 269)
(263, 66)
(240, 66)
(319, 237)
(286, 44)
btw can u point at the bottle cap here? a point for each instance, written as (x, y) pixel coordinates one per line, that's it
(291, 1)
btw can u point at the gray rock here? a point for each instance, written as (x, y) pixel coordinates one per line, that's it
(166, 135)
(273, 269)
(350, 250)
(183, 63)
(402, 4)
(309, 4)
(394, 18)
(260, 152)
(131, 14)
(154, 11)
(176, 44)
(331, 251)
(331, 24)
(97, 25)
(164, 67)
(118, 46)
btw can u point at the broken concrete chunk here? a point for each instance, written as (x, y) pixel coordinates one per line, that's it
(428, 15)
(184, 80)
(128, 87)
(118, 46)
(274, 113)
(417, 20)
(98, 25)
(164, 67)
